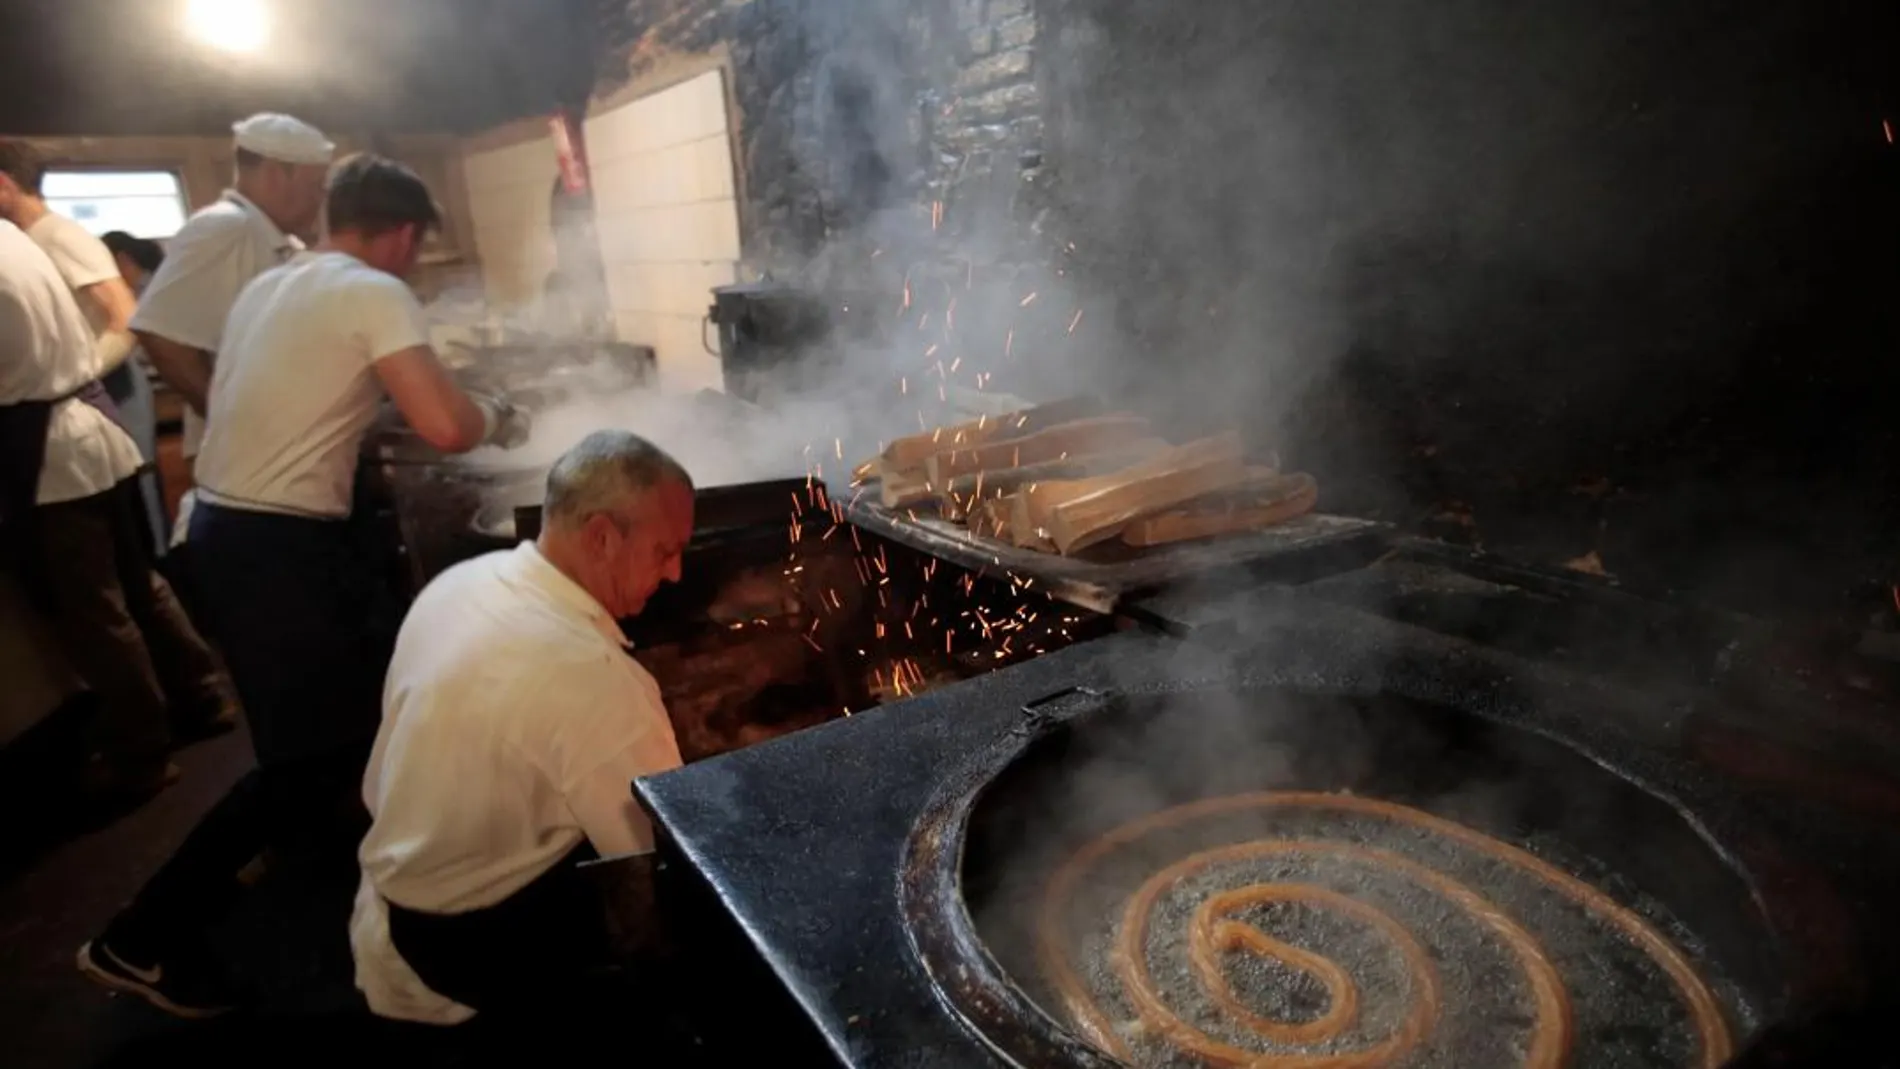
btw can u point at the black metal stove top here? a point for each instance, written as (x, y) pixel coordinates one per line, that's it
(803, 840)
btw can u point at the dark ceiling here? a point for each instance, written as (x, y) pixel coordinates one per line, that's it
(115, 67)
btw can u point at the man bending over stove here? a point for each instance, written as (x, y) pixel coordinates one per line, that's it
(514, 723)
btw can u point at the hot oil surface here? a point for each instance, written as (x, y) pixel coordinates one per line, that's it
(1520, 931)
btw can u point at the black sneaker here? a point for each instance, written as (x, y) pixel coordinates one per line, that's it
(174, 993)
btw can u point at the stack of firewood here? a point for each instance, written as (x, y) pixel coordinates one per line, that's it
(1063, 477)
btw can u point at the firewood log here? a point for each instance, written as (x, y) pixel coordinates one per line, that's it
(1293, 497)
(1033, 509)
(990, 519)
(966, 492)
(903, 489)
(911, 452)
(908, 454)
(1160, 485)
(1076, 438)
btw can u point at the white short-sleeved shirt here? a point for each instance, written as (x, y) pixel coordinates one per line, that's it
(514, 724)
(207, 264)
(295, 387)
(82, 259)
(47, 351)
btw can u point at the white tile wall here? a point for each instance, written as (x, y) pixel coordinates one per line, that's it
(668, 220)
(508, 194)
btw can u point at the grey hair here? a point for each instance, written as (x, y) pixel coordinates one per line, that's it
(604, 475)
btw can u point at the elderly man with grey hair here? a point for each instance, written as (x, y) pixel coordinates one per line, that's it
(514, 723)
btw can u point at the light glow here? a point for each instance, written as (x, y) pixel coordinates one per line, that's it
(230, 25)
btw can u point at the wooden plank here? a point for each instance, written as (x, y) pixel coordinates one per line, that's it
(1033, 510)
(1076, 438)
(1297, 496)
(913, 451)
(1162, 484)
(1098, 579)
(990, 519)
(966, 492)
(903, 489)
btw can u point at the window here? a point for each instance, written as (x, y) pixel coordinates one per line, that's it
(146, 204)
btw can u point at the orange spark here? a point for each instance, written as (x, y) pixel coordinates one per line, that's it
(1887, 126)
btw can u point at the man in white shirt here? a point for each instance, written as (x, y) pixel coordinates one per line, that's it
(309, 353)
(68, 514)
(514, 723)
(195, 686)
(276, 200)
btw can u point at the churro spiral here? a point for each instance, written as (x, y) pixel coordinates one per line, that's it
(1224, 1030)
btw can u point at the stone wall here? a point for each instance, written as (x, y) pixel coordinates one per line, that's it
(856, 111)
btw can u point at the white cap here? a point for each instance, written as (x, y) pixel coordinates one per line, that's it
(280, 137)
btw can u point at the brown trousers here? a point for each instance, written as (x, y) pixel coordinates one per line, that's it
(121, 626)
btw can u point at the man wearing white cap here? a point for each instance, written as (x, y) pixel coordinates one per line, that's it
(275, 202)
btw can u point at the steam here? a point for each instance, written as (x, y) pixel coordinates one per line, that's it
(947, 288)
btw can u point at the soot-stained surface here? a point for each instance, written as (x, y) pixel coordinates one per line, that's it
(1463, 992)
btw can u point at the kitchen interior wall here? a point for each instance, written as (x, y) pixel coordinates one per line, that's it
(666, 215)
(509, 173)
(204, 165)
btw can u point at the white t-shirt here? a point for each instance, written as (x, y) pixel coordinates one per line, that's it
(207, 264)
(295, 389)
(48, 352)
(82, 260)
(514, 724)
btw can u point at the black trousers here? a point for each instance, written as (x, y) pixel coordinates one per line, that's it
(306, 623)
(307, 814)
(306, 631)
(524, 955)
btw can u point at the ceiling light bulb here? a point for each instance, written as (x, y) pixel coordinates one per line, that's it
(232, 25)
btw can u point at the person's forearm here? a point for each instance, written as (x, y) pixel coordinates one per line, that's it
(112, 348)
(185, 369)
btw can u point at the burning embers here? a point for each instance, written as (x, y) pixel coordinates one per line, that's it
(1324, 931)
